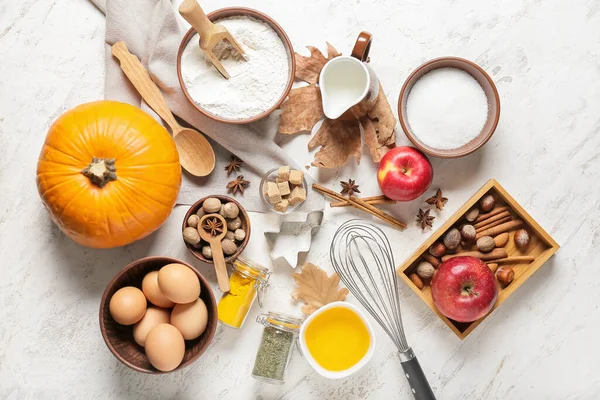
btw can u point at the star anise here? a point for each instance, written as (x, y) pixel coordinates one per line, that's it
(424, 219)
(349, 188)
(239, 184)
(213, 225)
(234, 165)
(438, 199)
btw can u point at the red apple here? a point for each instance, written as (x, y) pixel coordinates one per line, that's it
(404, 173)
(464, 288)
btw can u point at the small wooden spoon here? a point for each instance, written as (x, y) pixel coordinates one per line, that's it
(196, 155)
(210, 34)
(212, 229)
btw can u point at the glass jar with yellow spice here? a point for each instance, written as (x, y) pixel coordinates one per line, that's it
(247, 282)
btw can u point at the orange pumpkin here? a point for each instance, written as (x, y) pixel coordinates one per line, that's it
(108, 173)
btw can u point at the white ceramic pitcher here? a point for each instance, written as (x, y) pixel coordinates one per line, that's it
(348, 84)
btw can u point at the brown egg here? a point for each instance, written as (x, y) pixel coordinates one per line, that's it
(153, 317)
(128, 305)
(165, 347)
(190, 319)
(152, 291)
(179, 283)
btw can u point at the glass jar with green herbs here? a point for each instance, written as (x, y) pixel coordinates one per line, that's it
(276, 346)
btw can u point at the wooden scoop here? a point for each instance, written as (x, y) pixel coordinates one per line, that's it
(212, 229)
(196, 155)
(210, 34)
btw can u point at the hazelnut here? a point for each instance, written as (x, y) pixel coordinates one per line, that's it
(200, 213)
(416, 280)
(229, 247)
(211, 205)
(468, 232)
(230, 210)
(521, 239)
(472, 214)
(193, 221)
(505, 275)
(240, 235)
(229, 235)
(501, 239)
(425, 270)
(233, 224)
(452, 239)
(207, 252)
(437, 249)
(485, 244)
(191, 235)
(487, 203)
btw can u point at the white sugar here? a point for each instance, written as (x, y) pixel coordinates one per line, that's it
(254, 86)
(447, 108)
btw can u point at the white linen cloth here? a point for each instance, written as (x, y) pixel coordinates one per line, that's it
(151, 30)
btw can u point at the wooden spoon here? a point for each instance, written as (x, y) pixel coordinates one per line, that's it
(210, 34)
(196, 155)
(212, 229)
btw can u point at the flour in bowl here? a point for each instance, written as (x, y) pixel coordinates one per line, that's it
(254, 85)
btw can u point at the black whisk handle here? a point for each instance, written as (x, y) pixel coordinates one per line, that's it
(415, 376)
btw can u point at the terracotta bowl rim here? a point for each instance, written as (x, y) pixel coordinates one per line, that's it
(229, 11)
(494, 113)
(203, 284)
(243, 214)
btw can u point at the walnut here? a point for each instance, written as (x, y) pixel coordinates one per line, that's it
(200, 213)
(485, 244)
(230, 235)
(230, 210)
(240, 235)
(193, 221)
(191, 235)
(425, 270)
(207, 252)
(211, 205)
(233, 224)
(452, 239)
(229, 247)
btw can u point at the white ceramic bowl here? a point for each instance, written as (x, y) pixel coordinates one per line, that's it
(345, 373)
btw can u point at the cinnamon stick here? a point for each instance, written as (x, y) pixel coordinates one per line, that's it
(373, 200)
(495, 211)
(492, 255)
(515, 260)
(492, 219)
(361, 205)
(496, 230)
(493, 224)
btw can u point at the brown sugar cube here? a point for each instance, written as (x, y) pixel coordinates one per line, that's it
(296, 177)
(298, 195)
(284, 188)
(282, 206)
(273, 193)
(284, 173)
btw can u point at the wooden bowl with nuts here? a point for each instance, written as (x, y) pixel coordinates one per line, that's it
(492, 227)
(238, 227)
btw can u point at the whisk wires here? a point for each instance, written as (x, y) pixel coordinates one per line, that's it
(362, 256)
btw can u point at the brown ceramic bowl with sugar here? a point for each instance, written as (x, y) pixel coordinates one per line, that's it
(119, 338)
(233, 12)
(245, 226)
(488, 87)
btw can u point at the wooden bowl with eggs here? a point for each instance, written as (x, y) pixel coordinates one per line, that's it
(120, 338)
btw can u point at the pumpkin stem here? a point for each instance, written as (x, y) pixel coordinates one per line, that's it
(101, 171)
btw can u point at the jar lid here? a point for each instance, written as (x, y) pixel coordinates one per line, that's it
(284, 322)
(251, 269)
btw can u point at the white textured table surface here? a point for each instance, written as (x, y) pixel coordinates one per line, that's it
(542, 343)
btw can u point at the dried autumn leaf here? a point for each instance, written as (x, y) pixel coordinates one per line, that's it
(338, 140)
(379, 124)
(316, 288)
(301, 111)
(309, 68)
